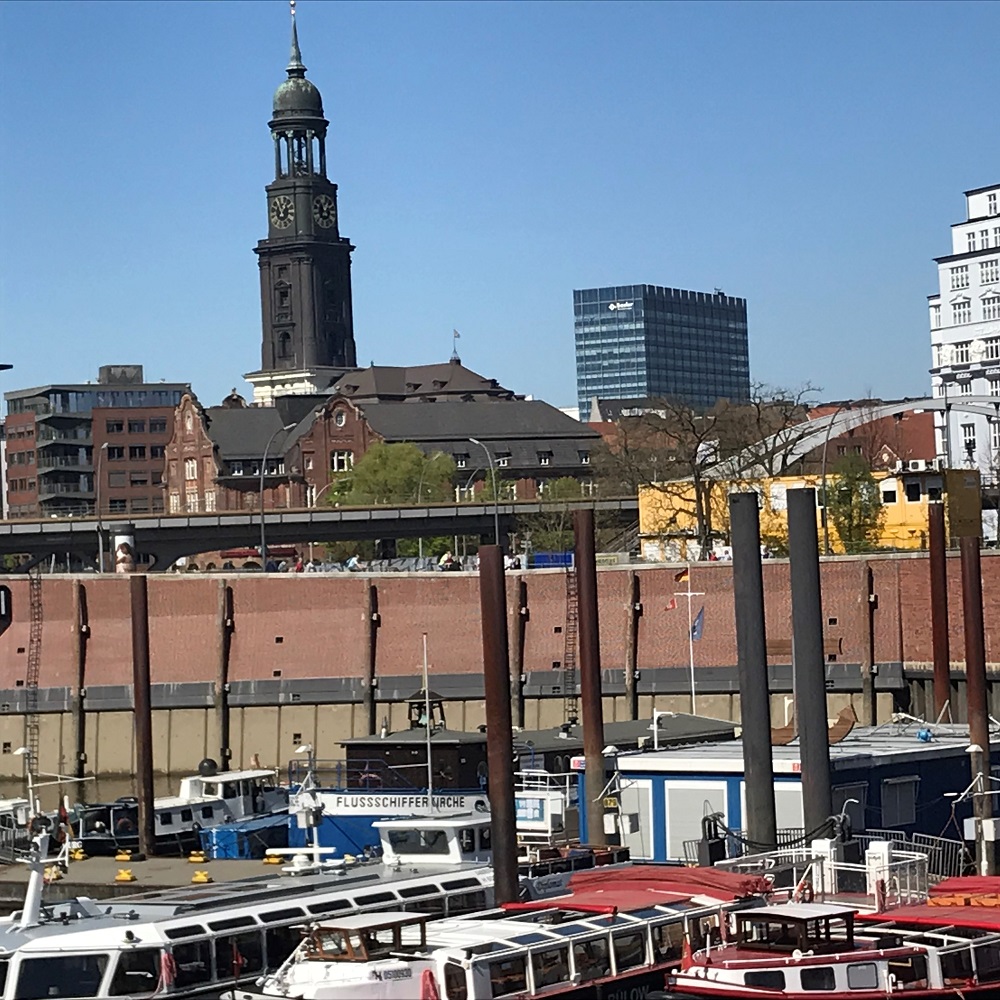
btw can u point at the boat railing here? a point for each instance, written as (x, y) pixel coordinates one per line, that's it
(536, 780)
(360, 776)
(15, 844)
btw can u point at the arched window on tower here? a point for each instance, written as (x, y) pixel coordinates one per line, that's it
(284, 345)
(299, 154)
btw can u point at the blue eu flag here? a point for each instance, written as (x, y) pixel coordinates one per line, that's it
(698, 626)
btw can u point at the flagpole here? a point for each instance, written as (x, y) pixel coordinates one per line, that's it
(689, 593)
(691, 647)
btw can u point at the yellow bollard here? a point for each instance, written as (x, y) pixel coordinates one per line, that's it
(123, 855)
(77, 854)
(124, 875)
(53, 873)
(201, 877)
(273, 859)
(197, 858)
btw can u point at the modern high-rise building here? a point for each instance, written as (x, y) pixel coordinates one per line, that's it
(643, 341)
(965, 337)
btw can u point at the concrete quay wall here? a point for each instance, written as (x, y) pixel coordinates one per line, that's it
(299, 651)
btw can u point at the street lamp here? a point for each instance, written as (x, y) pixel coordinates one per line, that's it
(496, 494)
(826, 442)
(97, 507)
(263, 468)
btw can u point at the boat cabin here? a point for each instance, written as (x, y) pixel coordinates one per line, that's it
(367, 937)
(820, 928)
(428, 839)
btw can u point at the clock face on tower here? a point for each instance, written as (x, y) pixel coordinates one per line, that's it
(282, 211)
(324, 210)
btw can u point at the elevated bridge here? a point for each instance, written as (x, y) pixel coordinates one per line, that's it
(167, 537)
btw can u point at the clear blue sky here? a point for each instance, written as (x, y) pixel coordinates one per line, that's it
(491, 158)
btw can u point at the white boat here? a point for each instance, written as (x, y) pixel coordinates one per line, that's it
(613, 938)
(208, 799)
(197, 941)
(809, 951)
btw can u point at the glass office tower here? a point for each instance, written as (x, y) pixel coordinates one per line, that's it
(643, 341)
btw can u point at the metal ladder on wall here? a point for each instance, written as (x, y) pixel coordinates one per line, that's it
(34, 663)
(571, 711)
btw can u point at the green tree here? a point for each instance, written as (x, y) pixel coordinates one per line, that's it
(396, 474)
(854, 505)
(552, 530)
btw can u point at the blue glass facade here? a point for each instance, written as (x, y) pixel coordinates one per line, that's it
(645, 341)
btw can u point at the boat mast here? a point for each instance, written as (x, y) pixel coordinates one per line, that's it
(427, 731)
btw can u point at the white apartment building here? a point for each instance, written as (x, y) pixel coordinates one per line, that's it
(965, 337)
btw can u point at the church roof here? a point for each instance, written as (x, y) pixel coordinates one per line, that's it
(413, 382)
(244, 433)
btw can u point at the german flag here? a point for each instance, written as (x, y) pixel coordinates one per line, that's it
(683, 576)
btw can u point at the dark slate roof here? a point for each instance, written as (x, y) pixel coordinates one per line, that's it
(440, 381)
(243, 433)
(518, 429)
(488, 420)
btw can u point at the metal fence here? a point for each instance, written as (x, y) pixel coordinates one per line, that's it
(15, 842)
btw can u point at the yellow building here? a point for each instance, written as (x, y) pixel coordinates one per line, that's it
(669, 513)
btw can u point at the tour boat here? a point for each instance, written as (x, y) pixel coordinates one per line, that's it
(208, 799)
(808, 951)
(612, 937)
(197, 941)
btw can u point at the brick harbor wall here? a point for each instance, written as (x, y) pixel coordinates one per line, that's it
(302, 637)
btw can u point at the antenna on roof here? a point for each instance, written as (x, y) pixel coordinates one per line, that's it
(455, 359)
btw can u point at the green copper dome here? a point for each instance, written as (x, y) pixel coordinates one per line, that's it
(297, 95)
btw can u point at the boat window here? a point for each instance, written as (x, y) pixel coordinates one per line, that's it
(230, 923)
(136, 972)
(4, 969)
(166, 819)
(325, 944)
(229, 790)
(189, 930)
(912, 970)
(374, 897)
(410, 891)
(956, 965)
(186, 816)
(467, 902)
(508, 975)
(591, 959)
(433, 905)
(418, 841)
(194, 964)
(988, 963)
(455, 985)
(330, 906)
(550, 967)
(485, 838)
(280, 942)
(771, 979)
(668, 941)
(862, 976)
(245, 788)
(818, 977)
(379, 942)
(630, 949)
(207, 812)
(61, 976)
(238, 955)
(467, 840)
(289, 913)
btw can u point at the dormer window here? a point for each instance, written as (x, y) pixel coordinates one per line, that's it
(503, 459)
(236, 468)
(461, 461)
(584, 457)
(545, 458)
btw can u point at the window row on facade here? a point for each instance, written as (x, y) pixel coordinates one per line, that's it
(961, 312)
(155, 425)
(989, 272)
(967, 351)
(981, 240)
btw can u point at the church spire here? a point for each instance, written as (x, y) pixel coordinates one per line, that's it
(295, 66)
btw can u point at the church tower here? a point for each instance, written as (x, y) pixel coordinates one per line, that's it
(305, 264)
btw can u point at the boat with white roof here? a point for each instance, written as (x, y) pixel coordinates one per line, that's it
(200, 940)
(613, 937)
(808, 951)
(206, 800)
